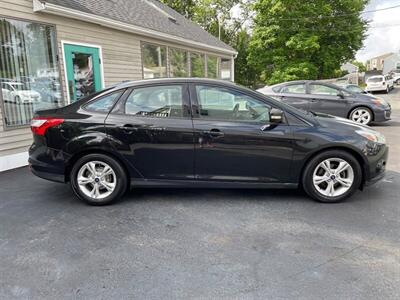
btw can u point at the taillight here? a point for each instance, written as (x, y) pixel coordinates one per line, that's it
(39, 125)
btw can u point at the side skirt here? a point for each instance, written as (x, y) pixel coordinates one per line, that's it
(146, 183)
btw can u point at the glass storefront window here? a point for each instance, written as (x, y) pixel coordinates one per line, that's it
(154, 61)
(197, 65)
(226, 67)
(178, 63)
(29, 74)
(212, 67)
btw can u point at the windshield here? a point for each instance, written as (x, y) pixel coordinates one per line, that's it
(375, 79)
(354, 89)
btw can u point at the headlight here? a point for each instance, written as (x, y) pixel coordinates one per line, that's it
(372, 136)
(378, 101)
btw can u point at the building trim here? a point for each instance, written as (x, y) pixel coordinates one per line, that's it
(13, 161)
(63, 42)
(39, 6)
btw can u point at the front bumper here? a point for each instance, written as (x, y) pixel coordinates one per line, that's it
(377, 159)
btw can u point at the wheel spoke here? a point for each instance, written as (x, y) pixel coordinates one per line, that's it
(106, 171)
(326, 165)
(344, 181)
(342, 167)
(91, 166)
(320, 179)
(108, 185)
(330, 189)
(84, 180)
(96, 191)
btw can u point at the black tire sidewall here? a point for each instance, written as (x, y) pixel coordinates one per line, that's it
(307, 179)
(120, 188)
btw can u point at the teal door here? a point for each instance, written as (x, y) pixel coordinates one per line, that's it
(83, 70)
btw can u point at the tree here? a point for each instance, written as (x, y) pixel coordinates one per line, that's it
(297, 39)
(215, 16)
(361, 67)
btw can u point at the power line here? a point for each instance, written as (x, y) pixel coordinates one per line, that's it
(340, 15)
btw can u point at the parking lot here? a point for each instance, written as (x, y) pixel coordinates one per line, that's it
(202, 244)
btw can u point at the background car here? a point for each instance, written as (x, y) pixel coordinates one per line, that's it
(200, 133)
(19, 93)
(330, 99)
(380, 83)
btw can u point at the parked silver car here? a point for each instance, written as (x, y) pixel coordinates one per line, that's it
(330, 99)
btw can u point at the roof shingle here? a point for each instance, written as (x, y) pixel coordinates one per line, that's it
(150, 14)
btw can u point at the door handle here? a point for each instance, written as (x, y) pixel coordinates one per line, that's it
(214, 133)
(314, 100)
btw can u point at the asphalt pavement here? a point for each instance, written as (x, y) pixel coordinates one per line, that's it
(201, 244)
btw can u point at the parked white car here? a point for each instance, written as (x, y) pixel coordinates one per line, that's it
(396, 77)
(380, 83)
(18, 92)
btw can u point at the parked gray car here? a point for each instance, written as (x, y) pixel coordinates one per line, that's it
(330, 99)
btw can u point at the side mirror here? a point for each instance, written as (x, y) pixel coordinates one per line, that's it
(276, 116)
(340, 95)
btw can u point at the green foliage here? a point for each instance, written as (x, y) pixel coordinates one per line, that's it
(297, 39)
(360, 65)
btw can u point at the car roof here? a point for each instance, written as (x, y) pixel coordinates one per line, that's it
(13, 83)
(376, 76)
(182, 80)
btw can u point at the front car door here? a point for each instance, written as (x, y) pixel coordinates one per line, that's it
(230, 144)
(152, 129)
(329, 100)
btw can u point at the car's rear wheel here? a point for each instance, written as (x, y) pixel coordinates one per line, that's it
(361, 115)
(332, 176)
(387, 90)
(98, 179)
(17, 99)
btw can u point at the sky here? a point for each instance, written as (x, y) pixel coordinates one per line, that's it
(384, 37)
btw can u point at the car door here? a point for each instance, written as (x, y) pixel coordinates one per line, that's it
(230, 143)
(295, 94)
(153, 130)
(329, 100)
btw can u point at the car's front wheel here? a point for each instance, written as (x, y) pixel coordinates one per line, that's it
(361, 115)
(332, 176)
(98, 179)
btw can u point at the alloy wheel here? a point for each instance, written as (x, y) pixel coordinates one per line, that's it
(333, 177)
(362, 116)
(96, 180)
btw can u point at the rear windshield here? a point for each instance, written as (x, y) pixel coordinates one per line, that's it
(375, 79)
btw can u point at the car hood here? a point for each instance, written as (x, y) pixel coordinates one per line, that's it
(329, 121)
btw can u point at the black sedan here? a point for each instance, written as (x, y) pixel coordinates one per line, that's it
(330, 99)
(200, 133)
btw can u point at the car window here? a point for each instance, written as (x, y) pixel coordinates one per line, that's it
(225, 104)
(354, 89)
(158, 101)
(375, 79)
(294, 89)
(103, 104)
(319, 89)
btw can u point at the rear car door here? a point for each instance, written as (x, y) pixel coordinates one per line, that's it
(230, 144)
(329, 100)
(295, 95)
(152, 129)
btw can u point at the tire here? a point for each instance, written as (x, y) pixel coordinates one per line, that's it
(361, 115)
(313, 173)
(96, 189)
(17, 100)
(387, 90)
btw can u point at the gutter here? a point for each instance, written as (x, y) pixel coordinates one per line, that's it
(39, 6)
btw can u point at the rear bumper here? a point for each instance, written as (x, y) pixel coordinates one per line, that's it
(376, 88)
(47, 163)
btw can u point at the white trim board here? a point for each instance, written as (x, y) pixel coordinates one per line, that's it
(13, 161)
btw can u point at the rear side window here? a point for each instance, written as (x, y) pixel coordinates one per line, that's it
(375, 79)
(158, 102)
(319, 89)
(294, 89)
(103, 104)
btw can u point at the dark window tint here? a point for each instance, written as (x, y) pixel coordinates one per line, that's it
(375, 79)
(224, 104)
(294, 89)
(159, 101)
(103, 104)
